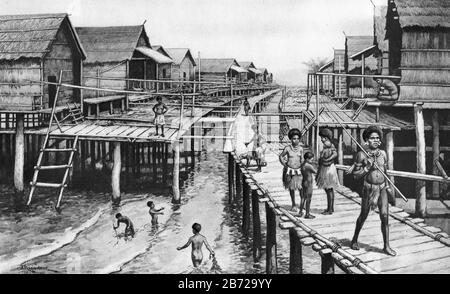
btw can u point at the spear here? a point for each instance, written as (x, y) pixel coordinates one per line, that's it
(367, 154)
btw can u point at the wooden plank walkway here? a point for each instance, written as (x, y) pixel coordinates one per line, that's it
(420, 248)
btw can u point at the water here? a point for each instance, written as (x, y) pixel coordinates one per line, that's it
(81, 239)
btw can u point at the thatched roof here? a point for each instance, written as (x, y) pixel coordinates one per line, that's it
(111, 44)
(217, 65)
(327, 66)
(263, 70)
(161, 50)
(247, 64)
(178, 55)
(420, 13)
(154, 55)
(31, 36)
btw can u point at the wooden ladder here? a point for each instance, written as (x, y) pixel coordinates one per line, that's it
(312, 120)
(76, 114)
(46, 149)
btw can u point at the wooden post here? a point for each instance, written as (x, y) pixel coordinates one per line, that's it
(231, 184)
(363, 65)
(127, 83)
(19, 157)
(238, 182)
(271, 241)
(421, 201)
(377, 114)
(98, 83)
(165, 160)
(317, 116)
(390, 157)
(115, 175)
(341, 154)
(176, 172)
(327, 266)
(257, 247)
(245, 208)
(295, 258)
(436, 145)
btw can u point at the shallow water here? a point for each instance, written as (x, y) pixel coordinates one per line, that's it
(81, 239)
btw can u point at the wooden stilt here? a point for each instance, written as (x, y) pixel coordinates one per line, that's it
(192, 147)
(115, 176)
(257, 248)
(155, 169)
(176, 172)
(436, 145)
(421, 202)
(295, 258)
(271, 241)
(165, 157)
(19, 157)
(238, 182)
(341, 154)
(327, 263)
(245, 208)
(390, 156)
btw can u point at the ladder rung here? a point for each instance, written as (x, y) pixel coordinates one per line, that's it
(49, 167)
(46, 185)
(59, 150)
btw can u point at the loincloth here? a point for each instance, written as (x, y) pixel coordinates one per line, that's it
(373, 192)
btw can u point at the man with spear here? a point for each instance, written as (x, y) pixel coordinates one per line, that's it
(371, 166)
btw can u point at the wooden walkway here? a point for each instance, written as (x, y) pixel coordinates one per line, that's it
(127, 128)
(420, 248)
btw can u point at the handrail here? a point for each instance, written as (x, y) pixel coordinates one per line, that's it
(356, 75)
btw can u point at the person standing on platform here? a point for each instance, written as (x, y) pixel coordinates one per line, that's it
(327, 177)
(292, 175)
(159, 109)
(246, 106)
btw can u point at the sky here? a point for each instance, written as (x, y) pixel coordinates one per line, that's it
(276, 34)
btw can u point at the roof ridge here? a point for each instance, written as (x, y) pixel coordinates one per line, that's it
(32, 16)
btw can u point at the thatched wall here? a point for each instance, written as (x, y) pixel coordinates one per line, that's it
(90, 70)
(61, 57)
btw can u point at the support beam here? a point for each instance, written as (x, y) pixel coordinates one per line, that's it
(271, 241)
(19, 157)
(421, 201)
(115, 176)
(295, 258)
(390, 157)
(257, 240)
(436, 145)
(176, 199)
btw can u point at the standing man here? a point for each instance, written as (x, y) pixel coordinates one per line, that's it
(159, 109)
(375, 188)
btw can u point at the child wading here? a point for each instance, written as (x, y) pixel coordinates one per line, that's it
(327, 177)
(307, 184)
(159, 109)
(154, 212)
(292, 176)
(197, 241)
(129, 229)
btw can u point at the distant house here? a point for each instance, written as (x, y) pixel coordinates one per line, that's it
(327, 82)
(339, 67)
(264, 74)
(183, 64)
(165, 70)
(122, 52)
(36, 47)
(251, 73)
(220, 69)
(355, 48)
